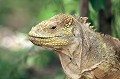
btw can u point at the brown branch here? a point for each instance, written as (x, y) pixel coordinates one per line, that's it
(84, 8)
(105, 19)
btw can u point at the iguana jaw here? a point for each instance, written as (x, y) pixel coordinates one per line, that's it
(48, 40)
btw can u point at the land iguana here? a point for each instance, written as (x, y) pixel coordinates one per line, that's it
(84, 53)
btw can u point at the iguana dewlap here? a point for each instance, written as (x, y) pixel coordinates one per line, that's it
(84, 53)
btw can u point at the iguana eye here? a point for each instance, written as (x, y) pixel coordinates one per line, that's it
(53, 27)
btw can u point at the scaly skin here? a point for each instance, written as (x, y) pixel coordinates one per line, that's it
(84, 53)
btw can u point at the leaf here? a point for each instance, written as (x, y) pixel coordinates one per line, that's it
(98, 4)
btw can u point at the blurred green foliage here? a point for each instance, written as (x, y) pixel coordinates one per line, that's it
(21, 15)
(116, 21)
(98, 4)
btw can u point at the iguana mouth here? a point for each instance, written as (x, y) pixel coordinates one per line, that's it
(46, 37)
(41, 37)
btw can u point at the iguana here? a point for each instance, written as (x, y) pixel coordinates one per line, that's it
(84, 53)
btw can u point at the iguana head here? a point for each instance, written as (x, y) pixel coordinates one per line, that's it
(54, 32)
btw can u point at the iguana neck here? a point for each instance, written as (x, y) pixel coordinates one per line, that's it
(86, 51)
(68, 61)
